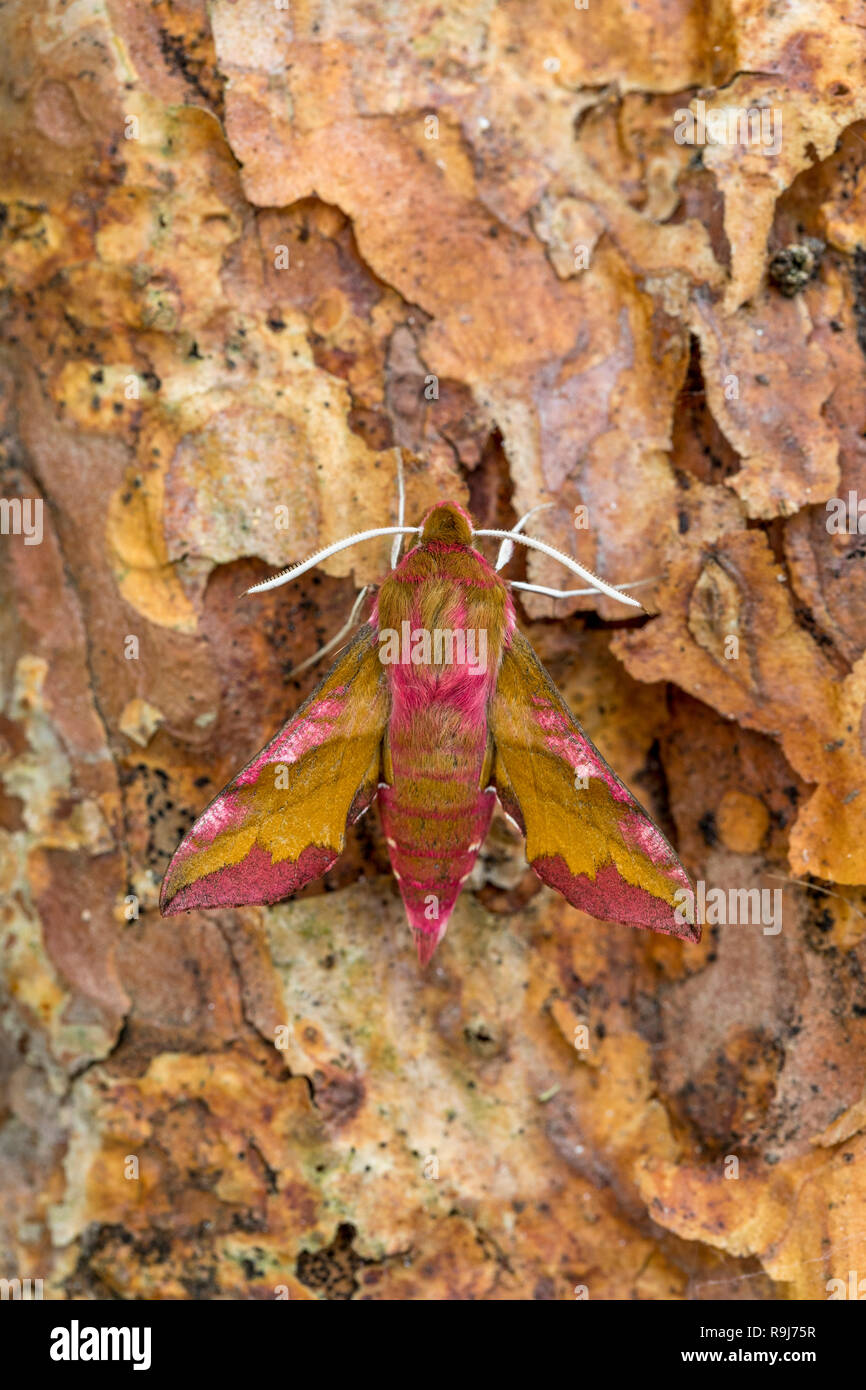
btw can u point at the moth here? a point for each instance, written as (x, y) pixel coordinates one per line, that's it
(436, 708)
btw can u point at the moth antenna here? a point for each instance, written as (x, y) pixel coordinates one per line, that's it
(601, 585)
(401, 508)
(506, 550)
(574, 593)
(346, 628)
(286, 576)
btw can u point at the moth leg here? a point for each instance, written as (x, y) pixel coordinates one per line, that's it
(570, 564)
(575, 593)
(336, 640)
(401, 508)
(506, 550)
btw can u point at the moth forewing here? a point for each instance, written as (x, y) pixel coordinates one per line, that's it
(435, 706)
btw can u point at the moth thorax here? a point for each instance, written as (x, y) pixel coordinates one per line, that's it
(447, 522)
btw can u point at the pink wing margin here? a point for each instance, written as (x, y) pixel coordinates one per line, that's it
(586, 835)
(282, 821)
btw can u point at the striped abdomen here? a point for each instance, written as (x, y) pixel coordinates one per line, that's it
(442, 617)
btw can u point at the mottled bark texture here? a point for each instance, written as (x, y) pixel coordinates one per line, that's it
(246, 250)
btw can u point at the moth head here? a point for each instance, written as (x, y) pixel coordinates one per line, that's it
(447, 522)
